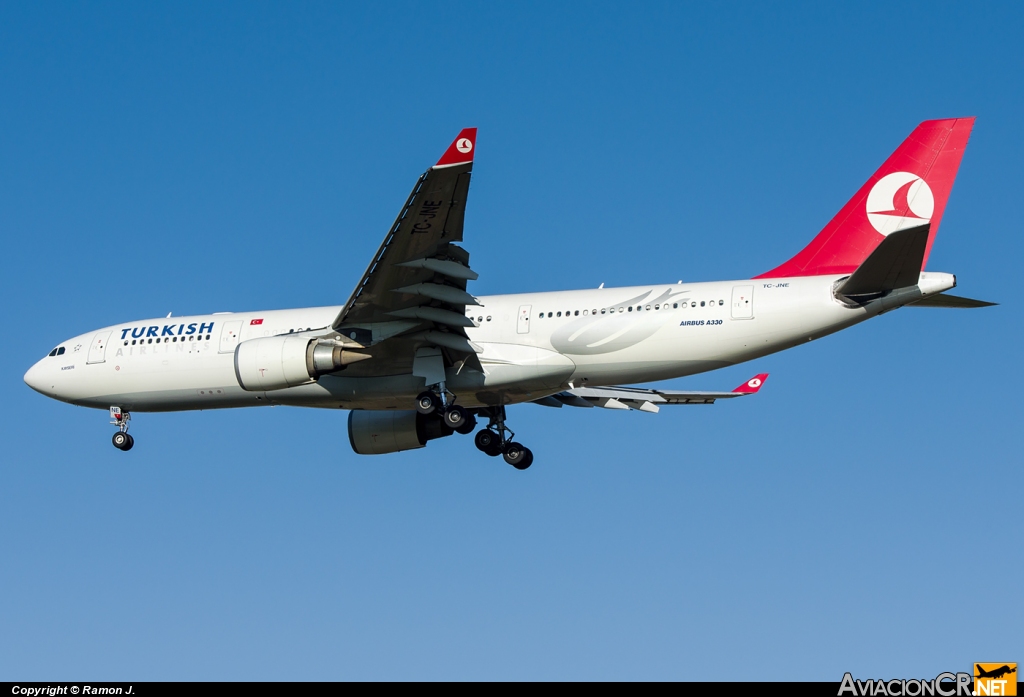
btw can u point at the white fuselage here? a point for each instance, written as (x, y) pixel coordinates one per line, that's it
(534, 344)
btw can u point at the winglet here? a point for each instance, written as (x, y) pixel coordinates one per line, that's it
(753, 384)
(461, 150)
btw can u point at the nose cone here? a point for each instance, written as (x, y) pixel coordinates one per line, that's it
(36, 378)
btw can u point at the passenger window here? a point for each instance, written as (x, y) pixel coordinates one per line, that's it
(702, 303)
(577, 313)
(559, 313)
(594, 311)
(675, 305)
(657, 307)
(584, 313)
(648, 307)
(488, 318)
(693, 304)
(721, 302)
(630, 308)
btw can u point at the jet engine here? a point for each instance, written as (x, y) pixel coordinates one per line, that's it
(391, 431)
(276, 362)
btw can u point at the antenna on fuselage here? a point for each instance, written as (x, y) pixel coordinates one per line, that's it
(600, 286)
(168, 314)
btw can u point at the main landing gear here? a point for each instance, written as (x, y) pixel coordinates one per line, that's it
(454, 417)
(121, 439)
(493, 441)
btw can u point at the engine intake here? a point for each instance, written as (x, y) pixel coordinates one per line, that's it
(277, 362)
(391, 431)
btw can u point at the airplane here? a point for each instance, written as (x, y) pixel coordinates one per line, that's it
(414, 356)
(995, 673)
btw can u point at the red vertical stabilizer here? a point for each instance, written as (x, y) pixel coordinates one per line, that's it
(908, 190)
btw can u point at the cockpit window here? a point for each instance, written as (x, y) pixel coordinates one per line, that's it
(53, 352)
(60, 351)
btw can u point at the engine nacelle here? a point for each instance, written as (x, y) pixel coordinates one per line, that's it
(276, 362)
(391, 431)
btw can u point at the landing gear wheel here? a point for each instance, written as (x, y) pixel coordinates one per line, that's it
(427, 403)
(131, 442)
(518, 455)
(122, 441)
(455, 417)
(468, 427)
(487, 442)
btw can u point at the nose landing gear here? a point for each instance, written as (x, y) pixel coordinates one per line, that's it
(121, 439)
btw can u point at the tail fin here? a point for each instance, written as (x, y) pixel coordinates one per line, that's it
(908, 190)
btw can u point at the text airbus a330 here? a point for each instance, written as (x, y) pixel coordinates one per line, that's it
(415, 356)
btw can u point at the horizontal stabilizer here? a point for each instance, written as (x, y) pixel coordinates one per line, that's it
(895, 263)
(943, 300)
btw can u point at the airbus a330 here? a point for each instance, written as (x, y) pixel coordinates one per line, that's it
(415, 356)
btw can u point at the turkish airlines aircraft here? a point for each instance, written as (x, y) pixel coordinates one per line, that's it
(415, 356)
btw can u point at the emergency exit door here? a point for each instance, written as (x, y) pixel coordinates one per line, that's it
(523, 325)
(743, 302)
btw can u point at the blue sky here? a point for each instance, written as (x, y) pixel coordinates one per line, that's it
(856, 515)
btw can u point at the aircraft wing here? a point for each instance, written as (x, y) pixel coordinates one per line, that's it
(414, 291)
(644, 400)
(416, 281)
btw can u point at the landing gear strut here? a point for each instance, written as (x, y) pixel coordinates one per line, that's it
(121, 439)
(493, 441)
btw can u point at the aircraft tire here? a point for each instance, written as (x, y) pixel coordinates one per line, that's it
(455, 417)
(518, 455)
(487, 442)
(120, 440)
(468, 427)
(427, 403)
(131, 444)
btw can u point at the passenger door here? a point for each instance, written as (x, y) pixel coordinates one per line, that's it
(98, 348)
(523, 325)
(229, 336)
(743, 302)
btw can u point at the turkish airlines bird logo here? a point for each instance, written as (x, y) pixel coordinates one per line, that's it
(464, 145)
(899, 200)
